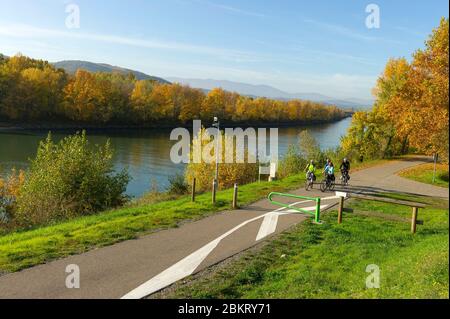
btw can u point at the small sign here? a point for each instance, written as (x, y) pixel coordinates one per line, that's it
(341, 194)
(273, 170)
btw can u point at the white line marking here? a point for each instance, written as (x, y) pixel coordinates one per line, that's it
(311, 208)
(268, 226)
(187, 266)
(184, 267)
(178, 271)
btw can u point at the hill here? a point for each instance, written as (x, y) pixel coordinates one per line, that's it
(72, 66)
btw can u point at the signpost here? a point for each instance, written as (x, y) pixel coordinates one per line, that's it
(342, 197)
(216, 124)
(435, 158)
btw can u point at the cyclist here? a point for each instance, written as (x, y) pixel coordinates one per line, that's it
(330, 172)
(327, 164)
(311, 169)
(345, 168)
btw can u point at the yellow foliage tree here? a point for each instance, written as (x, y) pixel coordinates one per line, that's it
(229, 173)
(411, 105)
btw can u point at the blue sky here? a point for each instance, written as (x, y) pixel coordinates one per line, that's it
(297, 46)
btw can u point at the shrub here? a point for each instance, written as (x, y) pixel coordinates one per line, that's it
(291, 163)
(177, 185)
(229, 173)
(69, 179)
(309, 147)
(9, 190)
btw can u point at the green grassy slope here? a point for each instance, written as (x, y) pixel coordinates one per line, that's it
(23, 249)
(330, 260)
(424, 174)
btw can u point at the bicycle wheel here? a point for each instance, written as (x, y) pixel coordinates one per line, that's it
(323, 186)
(307, 185)
(331, 186)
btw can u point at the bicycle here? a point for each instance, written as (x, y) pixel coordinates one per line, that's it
(327, 183)
(345, 177)
(309, 183)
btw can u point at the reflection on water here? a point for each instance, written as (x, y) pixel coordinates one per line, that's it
(146, 153)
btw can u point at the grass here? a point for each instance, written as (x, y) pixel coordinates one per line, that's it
(330, 260)
(22, 249)
(424, 174)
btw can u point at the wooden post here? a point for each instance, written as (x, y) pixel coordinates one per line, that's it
(193, 189)
(340, 210)
(414, 219)
(235, 194)
(214, 188)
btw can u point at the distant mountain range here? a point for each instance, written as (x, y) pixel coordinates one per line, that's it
(73, 65)
(270, 92)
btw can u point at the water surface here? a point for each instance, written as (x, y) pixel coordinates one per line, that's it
(145, 153)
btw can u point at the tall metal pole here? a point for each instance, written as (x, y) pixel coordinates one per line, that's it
(216, 177)
(217, 151)
(435, 157)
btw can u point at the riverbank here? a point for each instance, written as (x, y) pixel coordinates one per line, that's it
(67, 126)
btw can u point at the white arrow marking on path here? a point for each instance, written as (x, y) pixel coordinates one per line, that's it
(184, 267)
(268, 226)
(187, 266)
(178, 271)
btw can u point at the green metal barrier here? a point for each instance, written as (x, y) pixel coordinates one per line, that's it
(316, 214)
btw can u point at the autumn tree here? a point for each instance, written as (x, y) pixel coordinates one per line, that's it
(33, 90)
(94, 97)
(411, 107)
(213, 105)
(191, 104)
(140, 100)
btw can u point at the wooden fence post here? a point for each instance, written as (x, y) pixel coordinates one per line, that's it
(193, 189)
(340, 210)
(414, 219)
(214, 188)
(235, 194)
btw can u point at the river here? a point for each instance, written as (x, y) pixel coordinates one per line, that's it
(145, 153)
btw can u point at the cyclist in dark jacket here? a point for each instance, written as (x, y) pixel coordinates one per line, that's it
(345, 167)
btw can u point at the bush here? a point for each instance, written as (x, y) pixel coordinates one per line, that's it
(309, 147)
(291, 163)
(177, 185)
(9, 190)
(229, 173)
(69, 179)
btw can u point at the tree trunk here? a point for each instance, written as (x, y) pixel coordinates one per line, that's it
(405, 145)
